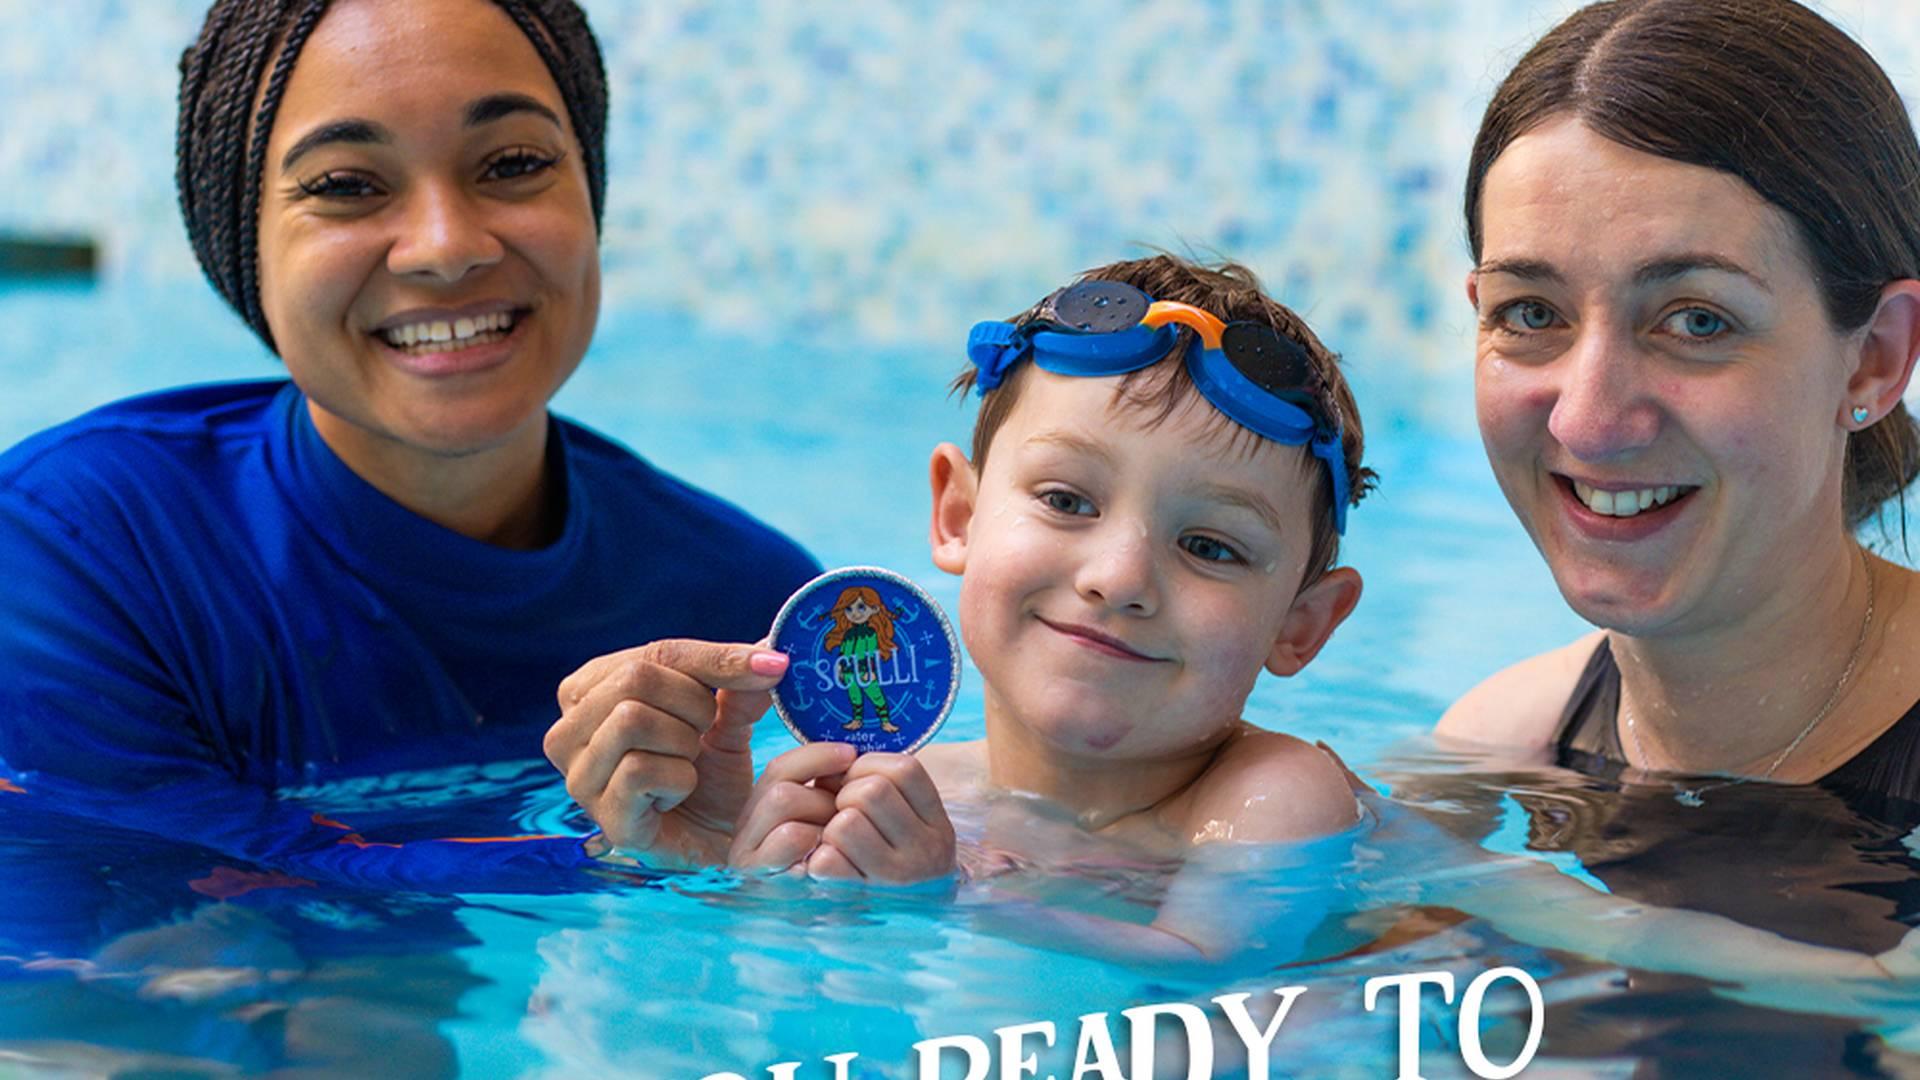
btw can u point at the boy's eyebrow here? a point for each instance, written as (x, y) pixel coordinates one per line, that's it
(1246, 500)
(1067, 440)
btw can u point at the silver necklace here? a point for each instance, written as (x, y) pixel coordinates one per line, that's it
(1691, 796)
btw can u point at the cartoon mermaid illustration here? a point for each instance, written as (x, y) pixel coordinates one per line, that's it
(863, 632)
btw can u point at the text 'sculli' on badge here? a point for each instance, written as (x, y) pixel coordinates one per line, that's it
(873, 662)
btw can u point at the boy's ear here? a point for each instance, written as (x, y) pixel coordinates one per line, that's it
(1316, 612)
(954, 489)
(1888, 348)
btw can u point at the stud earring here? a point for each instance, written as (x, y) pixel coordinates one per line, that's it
(1860, 414)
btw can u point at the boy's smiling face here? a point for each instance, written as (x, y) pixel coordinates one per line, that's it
(1125, 582)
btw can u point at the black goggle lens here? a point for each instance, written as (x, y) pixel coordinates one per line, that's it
(1099, 307)
(1274, 364)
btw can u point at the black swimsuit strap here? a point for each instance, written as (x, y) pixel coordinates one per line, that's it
(1589, 725)
(1588, 739)
(1889, 768)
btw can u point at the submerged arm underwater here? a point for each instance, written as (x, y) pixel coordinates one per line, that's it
(285, 842)
(1241, 907)
(1230, 907)
(1532, 902)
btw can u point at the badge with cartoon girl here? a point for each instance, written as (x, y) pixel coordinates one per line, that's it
(874, 661)
(863, 632)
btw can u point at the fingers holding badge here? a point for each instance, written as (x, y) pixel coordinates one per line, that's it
(874, 671)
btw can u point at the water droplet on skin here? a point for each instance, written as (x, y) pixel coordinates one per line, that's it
(1213, 830)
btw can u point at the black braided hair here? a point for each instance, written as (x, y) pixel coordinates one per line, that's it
(222, 71)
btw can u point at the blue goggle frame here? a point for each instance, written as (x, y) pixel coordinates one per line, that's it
(1095, 346)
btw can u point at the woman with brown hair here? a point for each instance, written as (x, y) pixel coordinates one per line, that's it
(1695, 227)
(1696, 233)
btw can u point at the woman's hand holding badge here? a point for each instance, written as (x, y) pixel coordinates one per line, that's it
(654, 741)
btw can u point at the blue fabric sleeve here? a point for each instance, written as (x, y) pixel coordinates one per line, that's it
(203, 607)
(82, 689)
(92, 729)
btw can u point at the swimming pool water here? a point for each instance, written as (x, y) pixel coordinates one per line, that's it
(683, 976)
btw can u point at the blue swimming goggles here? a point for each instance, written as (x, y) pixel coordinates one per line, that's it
(1247, 370)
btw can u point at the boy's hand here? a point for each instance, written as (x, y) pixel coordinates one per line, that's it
(790, 807)
(888, 825)
(653, 743)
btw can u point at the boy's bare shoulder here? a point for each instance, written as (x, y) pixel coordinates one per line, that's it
(1270, 787)
(955, 768)
(1521, 705)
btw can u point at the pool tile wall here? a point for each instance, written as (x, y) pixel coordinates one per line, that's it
(891, 171)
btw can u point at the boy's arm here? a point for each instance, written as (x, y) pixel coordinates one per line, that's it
(1270, 824)
(1232, 906)
(1269, 788)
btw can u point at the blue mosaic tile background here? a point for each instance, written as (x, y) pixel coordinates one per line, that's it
(891, 170)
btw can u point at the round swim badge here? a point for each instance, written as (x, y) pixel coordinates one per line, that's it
(874, 661)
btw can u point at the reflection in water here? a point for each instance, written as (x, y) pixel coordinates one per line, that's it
(1807, 862)
(714, 975)
(316, 978)
(133, 952)
(127, 952)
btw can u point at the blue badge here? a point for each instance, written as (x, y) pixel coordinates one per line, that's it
(874, 661)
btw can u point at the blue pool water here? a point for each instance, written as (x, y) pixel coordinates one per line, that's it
(682, 977)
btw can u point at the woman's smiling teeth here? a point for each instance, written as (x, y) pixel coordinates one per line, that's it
(434, 334)
(1624, 503)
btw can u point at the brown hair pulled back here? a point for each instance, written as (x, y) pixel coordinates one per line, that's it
(1772, 93)
(1232, 293)
(221, 142)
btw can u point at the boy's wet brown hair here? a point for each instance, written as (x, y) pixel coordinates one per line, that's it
(1232, 293)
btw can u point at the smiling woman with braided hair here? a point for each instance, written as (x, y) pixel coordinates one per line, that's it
(392, 558)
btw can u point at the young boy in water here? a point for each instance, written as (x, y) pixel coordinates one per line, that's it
(1161, 469)
(1150, 517)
